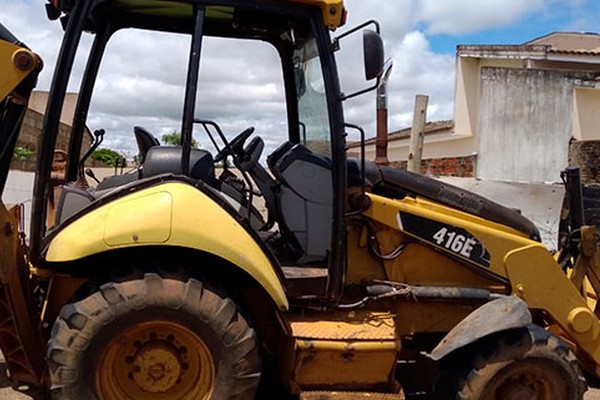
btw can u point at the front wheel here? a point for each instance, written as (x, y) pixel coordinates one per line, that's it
(524, 364)
(150, 339)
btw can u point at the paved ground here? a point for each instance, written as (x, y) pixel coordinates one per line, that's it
(6, 393)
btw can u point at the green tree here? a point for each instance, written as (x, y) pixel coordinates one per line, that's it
(174, 139)
(23, 153)
(109, 157)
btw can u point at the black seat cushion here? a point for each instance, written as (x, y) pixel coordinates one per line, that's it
(167, 160)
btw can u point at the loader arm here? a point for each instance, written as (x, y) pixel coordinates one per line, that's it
(19, 68)
(497, 250)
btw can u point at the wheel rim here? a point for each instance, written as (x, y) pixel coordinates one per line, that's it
(527, 380)
(155, 360)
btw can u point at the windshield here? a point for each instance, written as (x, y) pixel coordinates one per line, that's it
(311, 97)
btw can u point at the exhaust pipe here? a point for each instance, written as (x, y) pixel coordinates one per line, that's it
(381, 142)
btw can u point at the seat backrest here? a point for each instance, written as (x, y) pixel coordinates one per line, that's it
(265, 182)
(145, 141)
(304, 201)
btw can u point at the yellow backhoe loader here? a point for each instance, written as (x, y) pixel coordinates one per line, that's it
(167, 283)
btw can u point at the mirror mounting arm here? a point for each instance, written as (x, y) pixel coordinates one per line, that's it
(373, 55)
(336, 41)
(344, 96)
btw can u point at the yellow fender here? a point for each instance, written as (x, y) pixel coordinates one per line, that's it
(169, 214)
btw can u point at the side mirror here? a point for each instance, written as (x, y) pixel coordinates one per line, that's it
(373, 54)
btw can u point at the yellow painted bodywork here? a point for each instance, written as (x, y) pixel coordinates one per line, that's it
(498, 239)
(344, 364)
(532, 272)
(169, 214)
(538, 280)
(349, 350)
(10, 75)
(333, 11)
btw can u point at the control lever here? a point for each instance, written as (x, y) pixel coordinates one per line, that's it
(98, 138)
(90, 173)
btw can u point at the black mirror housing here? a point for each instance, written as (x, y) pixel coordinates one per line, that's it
(373, 54)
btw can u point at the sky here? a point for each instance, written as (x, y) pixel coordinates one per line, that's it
(142, 78)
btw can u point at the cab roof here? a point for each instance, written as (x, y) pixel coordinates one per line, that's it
(333, 12)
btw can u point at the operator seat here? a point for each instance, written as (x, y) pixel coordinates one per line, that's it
(304, 199)
(145, 141)
(265, 182)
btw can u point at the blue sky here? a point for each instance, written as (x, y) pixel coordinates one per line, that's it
(578, 16)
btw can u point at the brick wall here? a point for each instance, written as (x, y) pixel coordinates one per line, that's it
(585, 155)
(452, 166)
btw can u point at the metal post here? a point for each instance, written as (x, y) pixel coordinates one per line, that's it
(574, 192)
(417, 133)
(189, 105)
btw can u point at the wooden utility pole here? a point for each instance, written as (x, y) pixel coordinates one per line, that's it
(417, 132)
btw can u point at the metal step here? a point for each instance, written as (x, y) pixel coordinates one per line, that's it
(350, 396)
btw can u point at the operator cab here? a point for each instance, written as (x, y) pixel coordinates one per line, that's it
(301, 180)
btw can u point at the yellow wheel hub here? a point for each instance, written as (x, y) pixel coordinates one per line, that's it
(156, 368)
(155, 360)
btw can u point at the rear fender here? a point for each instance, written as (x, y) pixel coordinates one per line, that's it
(168, 214)
(496, 316)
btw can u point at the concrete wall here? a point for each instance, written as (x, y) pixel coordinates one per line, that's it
(570, 41)
(19, 189)
(541, 203)
(29, 137)
(525, 123)
(39, 100)
(467, 90)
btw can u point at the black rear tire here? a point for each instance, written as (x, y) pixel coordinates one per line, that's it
(526, 363)
(153, 338)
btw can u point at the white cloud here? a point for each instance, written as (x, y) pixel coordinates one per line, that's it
(418, 70)
(468, 16)
(143, 77)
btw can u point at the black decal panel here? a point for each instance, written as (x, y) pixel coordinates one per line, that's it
(450, 238)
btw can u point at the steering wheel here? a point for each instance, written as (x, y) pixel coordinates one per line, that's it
(236, 145)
